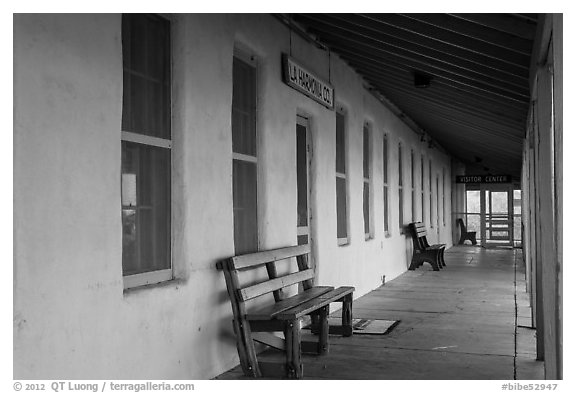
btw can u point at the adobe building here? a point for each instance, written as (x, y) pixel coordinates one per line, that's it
(149, 147)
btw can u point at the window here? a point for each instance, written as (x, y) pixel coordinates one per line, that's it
(302, 190)
(385, 180)
(437, 202)
(400, 191)
(244, 154)
(146, 150)
(413, 185)
(422, 186)
(341, 181)
(444, 196)
(430, 191)
(366, 188)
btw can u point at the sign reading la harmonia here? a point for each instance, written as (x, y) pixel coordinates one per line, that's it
(299, 78)
(484, 179)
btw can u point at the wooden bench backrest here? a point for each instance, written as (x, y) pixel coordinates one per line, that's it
(418, 231)
(460, 223)
(274, 284)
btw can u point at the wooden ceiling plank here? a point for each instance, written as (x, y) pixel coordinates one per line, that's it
(469, 102)
(482, 126)
(499, 118)
(482, 147)
(389, 33)
(475, 31)
(421, 54)
(450, 38)
(351, 56)
(502, 22)
(445, 91)
(429, 66)
(411, 105)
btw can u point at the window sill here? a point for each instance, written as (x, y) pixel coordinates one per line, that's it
(343, 242)
(387, 234)
(172, 283)
(368, 237)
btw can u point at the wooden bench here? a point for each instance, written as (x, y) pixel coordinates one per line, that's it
(464, 234)
(424, 252)
(283, 314)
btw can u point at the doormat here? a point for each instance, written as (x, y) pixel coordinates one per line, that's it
(366, 326)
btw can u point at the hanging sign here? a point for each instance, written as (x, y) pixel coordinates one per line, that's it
(299, 78)
(484, 179)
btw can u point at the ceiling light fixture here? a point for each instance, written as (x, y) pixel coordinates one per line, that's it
(421, 80)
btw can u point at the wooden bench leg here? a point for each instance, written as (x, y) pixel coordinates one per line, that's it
(323, 329)
(347, 315)
(414, 263)
(246, 350)
(293, 350)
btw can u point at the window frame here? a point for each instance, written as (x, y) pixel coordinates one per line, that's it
(443, 196)
(400, 189)
(245, 56)
(167, 274)
(342, 241)
(413, 184)
(430, 193)
(367, 136)
(385, 183)
(422, 186)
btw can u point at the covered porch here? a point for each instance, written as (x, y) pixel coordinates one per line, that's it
(469, 321)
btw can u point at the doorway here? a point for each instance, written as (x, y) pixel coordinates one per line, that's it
(492, 211)
(498, 220)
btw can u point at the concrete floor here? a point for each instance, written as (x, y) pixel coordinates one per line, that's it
(468, 321)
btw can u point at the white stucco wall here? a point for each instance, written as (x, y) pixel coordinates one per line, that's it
(72, 318)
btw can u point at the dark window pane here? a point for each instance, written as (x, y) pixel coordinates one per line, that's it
(245, 213)
(341, 214)
(422, 174)
(400, 172)
(412, 169)
(401, 208)
(340, 144)
(244, 108)
(430, 191)
(366, 155)
(385, 159)
(302, 239)
(413, 204)
(386, 211)
(366, 208)
(146, 83)
(302, 175)
(146, 210)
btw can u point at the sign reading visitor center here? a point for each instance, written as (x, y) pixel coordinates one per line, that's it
(484, 179)
(307, 83)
